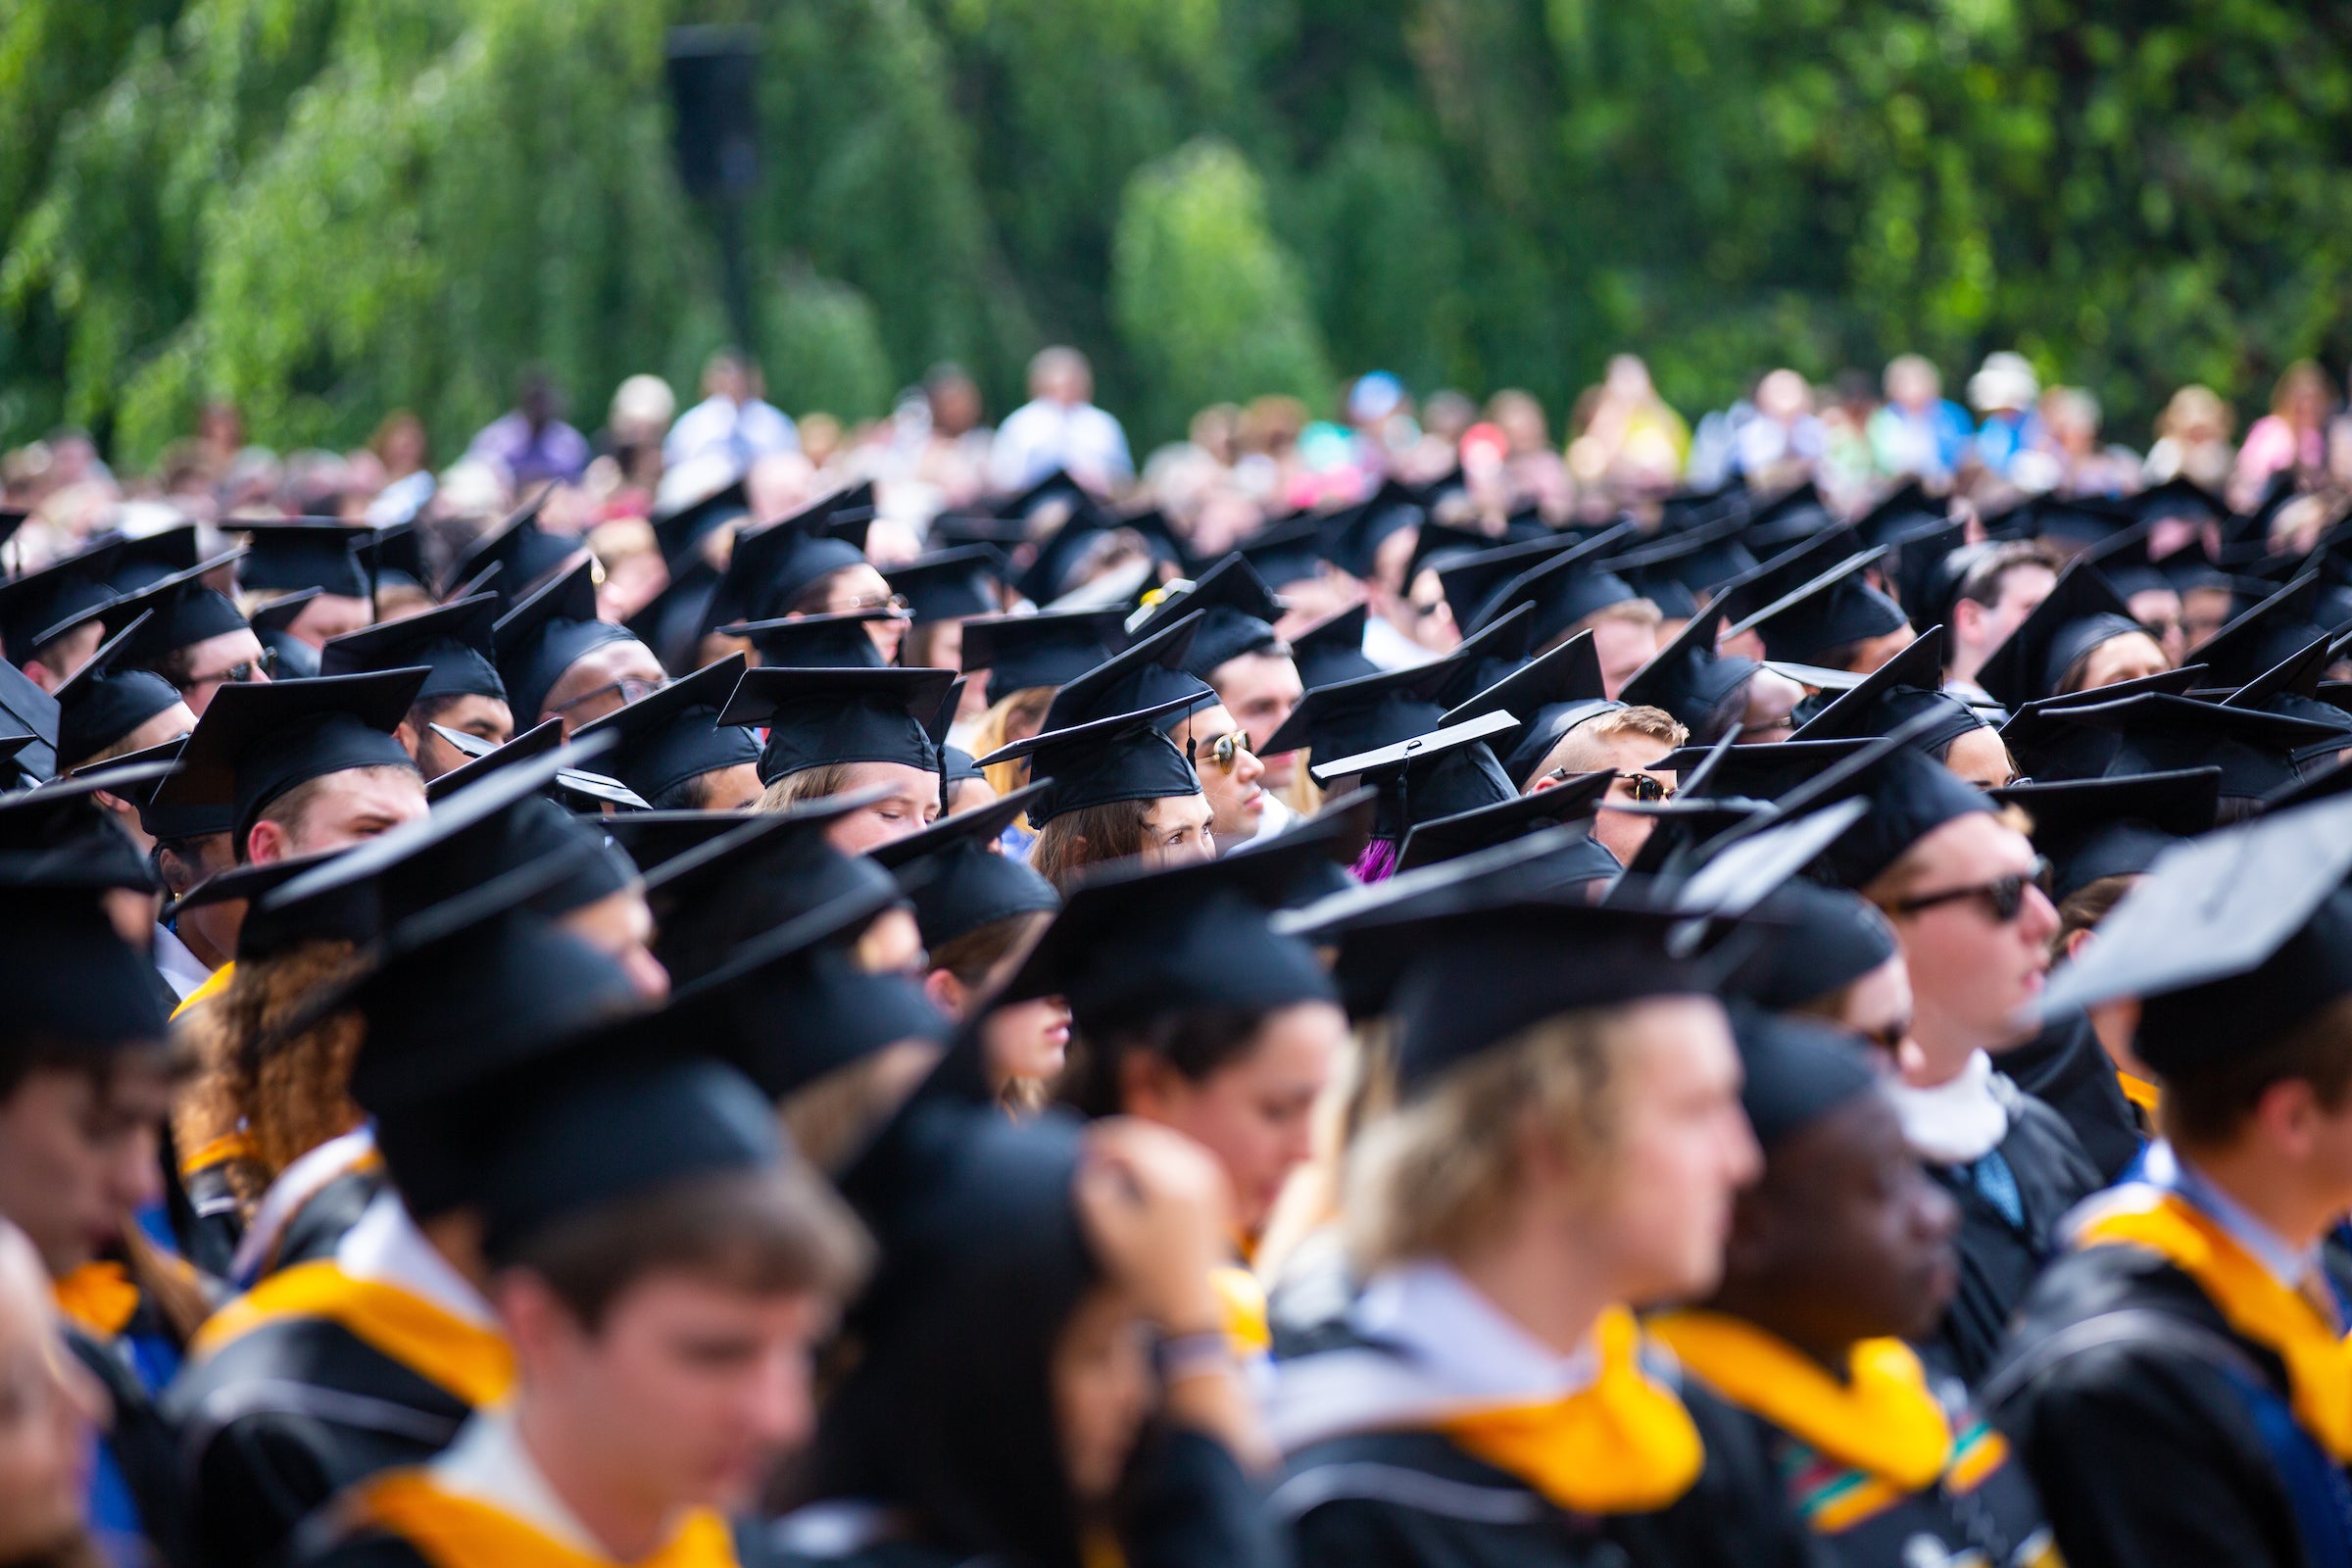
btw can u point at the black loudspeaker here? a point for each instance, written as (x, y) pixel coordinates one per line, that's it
(713, 76)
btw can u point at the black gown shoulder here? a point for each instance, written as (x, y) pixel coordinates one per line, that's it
(288, 1414)
(145, 1446)
(363, 1552)
(2066, 1069)
(2143, 1451)
(1998, 1260)
(319, 1225)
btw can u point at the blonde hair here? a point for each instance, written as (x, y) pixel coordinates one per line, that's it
(809, 784)
(1441, 1172)
(1585, 748)
(993, 732)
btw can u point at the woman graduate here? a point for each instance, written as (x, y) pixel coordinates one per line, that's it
(1566, 1144)
(1844, 1247)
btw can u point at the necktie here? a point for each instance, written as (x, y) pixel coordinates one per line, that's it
(1997, 1184)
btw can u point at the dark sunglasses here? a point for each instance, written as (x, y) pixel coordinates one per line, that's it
(1643, 788)
(2003, 897)
(240, 673)
(1227, 748)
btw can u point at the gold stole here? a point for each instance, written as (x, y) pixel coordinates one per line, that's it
(473, 1364)
(1243, 1304)
(2252, 1301)
(1623, 1444)
(2141, 1093)
(454, 1531)
(214, 984)
(98, 1296)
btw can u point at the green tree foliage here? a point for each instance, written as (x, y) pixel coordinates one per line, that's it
(330, 208)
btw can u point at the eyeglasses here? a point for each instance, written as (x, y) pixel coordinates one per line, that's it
(1889, 1037)
(241, 673)
(1228, 749)
(896, 603)
(632, 689)
(1641, 786)
(2003, 897)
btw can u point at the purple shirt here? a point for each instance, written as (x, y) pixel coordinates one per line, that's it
(555, 451)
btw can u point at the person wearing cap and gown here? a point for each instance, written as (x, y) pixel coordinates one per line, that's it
(194, 637)
(2080, 638)
(846, 731)
(1121, 791)
(462, 693)
(810, 564)
(310, 556)
(1836, 620)
(1837, 962)
(48, 616)
(1244, 661)
(1488, 1396)
(2174, 1382)
(1026, 658)
(942, 590)
(557, 661)
(1844, 1247)
(1572, 594)
(105, 714)
(665, 1271)
(672, 749)
(813, 642)
(1900, 690)
(1710, 692)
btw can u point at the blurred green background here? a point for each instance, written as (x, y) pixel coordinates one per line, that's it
(326, 209)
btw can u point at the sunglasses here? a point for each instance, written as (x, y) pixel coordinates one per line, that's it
(241, 673)
(1641, 786)
(1228, 749)
(896, 603)
(632, 689)
(1889, 1039)
(2003, 897)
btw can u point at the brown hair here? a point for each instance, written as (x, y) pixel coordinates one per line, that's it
(2206, 1105)
(1982, 584)
(809, 784)
(288, 808)
(831, 1118)
(771, 1232)
(995, 731)
(973, 956)
(2086, 906)
(1091, 835)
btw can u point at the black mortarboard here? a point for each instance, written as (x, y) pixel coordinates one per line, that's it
(1794, 514)
(1795, 1071)
(169, 821)
(2082, 613)
(615, 1135)
(181, 613)
(1925, 576)
(1441, 545)
(453, 641)
(2176, 496)
(1488, 654)
(1472, 583)
(1833, 610)
(1564, 589)
(2160, 733)
(672, 622)
(1689, 679)
(1364, 712)
(348, 919)
(1756, 772)
(1447, 838)
(816, 642)
(1332, 650)
(2080, 520)
(1910, 796)
(99, 704)
(1785, 573)
(1905, 510)
(41, 604)
(653, 839)
(256, 742)
(272, 621)
(1655, 580)
(951, 584)
(2045, 746)
(393, 554)
(1149, 673)
(2123, 560)
(304, 553)
(774, 565)
(2193, 567)
(2267, 635)
(1549, 695)
(2115, 827)
(149, 558)
(516, 545)
(55, 836)
(1700, 559)
(545, 634)
(585, 792)
(1352, 536)
(1134, 945)
(673, 735)
(816, 717)
(1286, 552)
(1022, 652)
(74, 981)
(1238, 614)
(1442, 772)
(1898, 691)
(1830, 937)
(963, 883)
(2292, 687)
(1124, 756)
(2229, 941)
(681, 527)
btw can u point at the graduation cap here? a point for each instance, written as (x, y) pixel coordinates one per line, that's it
(672, 622)
(951, 584)
(1926, 569)
(2082, 612)
(74, 981)
(2177, 497)
(1057, 487)
(1552, 694)
(1124, 756)
(1088, 527)
(519, 548)
(2294, 688)
(1785, 573)
(180, 610)
(392, 555)
(1655, 578)
(1441, 544)
(1132, 944)
(683, 522)
(1344, 829)
(1332, 650)
(1794, 514)
(1447, 838)
(1700, 558)
(2192, 568)
(272, 622)
(1906, 511)
(55, 837)
(167, 822)
(653, 839)
(1472, 584)
(2230, 941)
(2081, 521)
(1910, 796)
(817, 717)
(2267, 635)
(1755, 772)
(773, 566)
(1022, 652)
(1285, 553)
(454, 642)
(669, 738)
(2090, 829)
(1352, 536)
(1236, 611)
(143, 559)
(1831, 612)
(1830, 939)
(99, 705)
(255, 742)
(2123, 558)
(1891, 695)
(585, 792)
(38, 607)
(1005, 533)
(260, 938)
(1364, 712)
(963, 883)
(1445, 772)
(1795, 1071)
(2161, 733)
(304, 553)
(816, 642)
(546, 632)
(1688, 678)
(2048, 748)
(1148, 675)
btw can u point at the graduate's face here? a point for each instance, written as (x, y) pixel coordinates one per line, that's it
(602, 680)
(49, 1406)
(345, 809)
(912, 806)
(1177, 831)
(1255, 1114)
(1872, 652)
(1259, 691)
(1623, 645)
(209, 662)
(2130, 656)
(1101, 1390)
(1236, 794)
(732, 789)
(330, 615)
(1980, 757)
(1772, 700)
(1846, 1235)
(1972, 973)
(483, 717)
(77, 1154)
(862, 587)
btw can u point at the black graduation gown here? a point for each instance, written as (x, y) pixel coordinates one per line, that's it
(1998, 1260)
(280, 1419)
(320, 1224)
(1188, 1506)
(2144, 1451)
(144, 1445)
(2066, 1069)
(1414, 1500)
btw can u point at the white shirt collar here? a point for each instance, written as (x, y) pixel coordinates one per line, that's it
(387, 1246)
(1955, 1123)
(489, 1464)
(180, 968)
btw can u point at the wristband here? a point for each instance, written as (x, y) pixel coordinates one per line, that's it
(1192, 1355)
